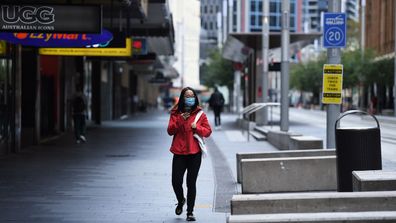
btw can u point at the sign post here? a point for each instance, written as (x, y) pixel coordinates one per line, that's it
(334, 38)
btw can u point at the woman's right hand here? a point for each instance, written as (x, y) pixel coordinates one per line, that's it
(185, 115)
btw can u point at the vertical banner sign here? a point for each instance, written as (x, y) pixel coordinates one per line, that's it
(332, 83)
(3, 48)
(51, 18)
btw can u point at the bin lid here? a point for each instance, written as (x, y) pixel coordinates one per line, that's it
(357, 128)
(356, 125)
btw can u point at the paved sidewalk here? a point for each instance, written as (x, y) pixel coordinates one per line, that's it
(123, 174)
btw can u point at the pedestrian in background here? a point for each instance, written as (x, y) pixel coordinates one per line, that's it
(187, 154)
(216, 102)
(79, 109)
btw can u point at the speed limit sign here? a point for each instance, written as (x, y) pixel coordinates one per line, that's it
(334, 30)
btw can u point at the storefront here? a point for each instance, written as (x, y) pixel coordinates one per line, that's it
(6, 97)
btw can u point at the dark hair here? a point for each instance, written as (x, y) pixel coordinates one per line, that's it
(180, 104)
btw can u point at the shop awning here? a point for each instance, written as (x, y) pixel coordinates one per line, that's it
(254, 39)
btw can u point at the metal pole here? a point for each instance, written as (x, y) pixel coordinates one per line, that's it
(224, 10)
(235, 94)
(363, 48)
(285, 66)
(219, 30)
(238, 91)
(239, 12)
(394, 80)
(333, 110)
(265, 45)
(230, 16)
(17, 103)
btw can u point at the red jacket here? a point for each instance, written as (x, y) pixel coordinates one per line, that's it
(183, 142)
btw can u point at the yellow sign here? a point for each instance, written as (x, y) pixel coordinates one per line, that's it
(114, 52)
(3, 48)
(332, 83)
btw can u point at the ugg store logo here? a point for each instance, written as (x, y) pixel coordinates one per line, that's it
(27, 14)
(51, 18)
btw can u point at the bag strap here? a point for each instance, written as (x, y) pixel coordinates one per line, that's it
(198, 116)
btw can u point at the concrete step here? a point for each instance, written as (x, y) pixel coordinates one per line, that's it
(327, 217)
(313, 202)
(263, 130)
(258, 135)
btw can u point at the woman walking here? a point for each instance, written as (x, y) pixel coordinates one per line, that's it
(185, 148)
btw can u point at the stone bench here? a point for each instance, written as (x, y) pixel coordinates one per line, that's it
(278, 154)
(373, 180)
(289, 174)
(325, 217)
(313, 202)
(280, 139)
(305, 142)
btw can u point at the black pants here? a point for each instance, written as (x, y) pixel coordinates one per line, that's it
(217, 111)
(180, 164)
(79, 125)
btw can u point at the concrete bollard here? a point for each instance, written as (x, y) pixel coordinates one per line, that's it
(317, 173)
(278, 154)
(373, 180)
(305, 142)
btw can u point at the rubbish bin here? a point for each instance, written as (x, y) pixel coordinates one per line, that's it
(357, 148)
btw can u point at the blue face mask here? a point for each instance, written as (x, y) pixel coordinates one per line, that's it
(189, 101)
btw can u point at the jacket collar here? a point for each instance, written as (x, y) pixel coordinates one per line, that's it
(199, 108)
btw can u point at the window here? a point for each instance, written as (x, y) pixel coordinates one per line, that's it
(253, 6)
(260, 20)
(252, 20)
(205, 9)
(272, 6)
(292, 8)
(273, 21)
(292, 21)
(260, 6)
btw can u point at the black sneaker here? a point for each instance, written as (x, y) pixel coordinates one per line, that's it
(179, 207)
(190, 217)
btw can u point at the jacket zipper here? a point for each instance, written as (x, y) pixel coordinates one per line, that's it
(187, 142)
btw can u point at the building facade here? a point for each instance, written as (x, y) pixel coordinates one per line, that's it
(380, 26)
(211, 35)
(247, 15)
(187, 28)
(36, 89)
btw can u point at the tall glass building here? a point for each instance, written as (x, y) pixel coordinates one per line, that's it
(247, 15)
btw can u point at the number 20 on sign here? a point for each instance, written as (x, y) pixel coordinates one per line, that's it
(332, 83)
